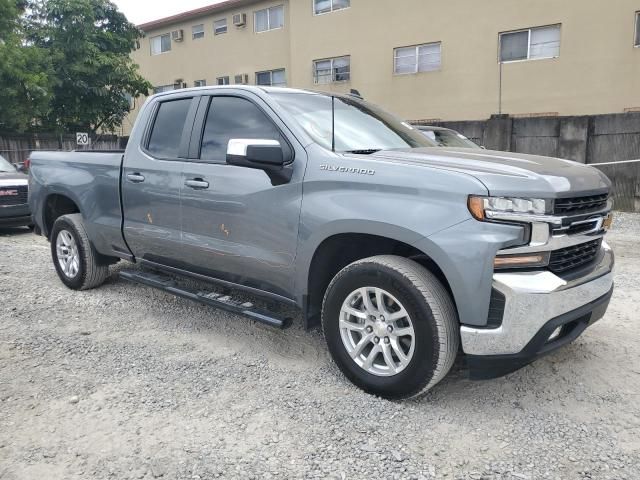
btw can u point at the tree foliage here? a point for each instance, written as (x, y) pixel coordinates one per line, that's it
(66, 64)
(25, 82)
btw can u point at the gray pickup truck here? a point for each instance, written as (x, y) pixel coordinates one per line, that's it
(405, 254)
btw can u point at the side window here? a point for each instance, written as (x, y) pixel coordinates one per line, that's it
(164, 141)
(234, 117)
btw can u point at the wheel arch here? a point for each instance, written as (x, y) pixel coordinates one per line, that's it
(57, 204)
(336, 251)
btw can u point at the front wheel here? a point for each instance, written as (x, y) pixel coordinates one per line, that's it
(390, 326)
(78, 264)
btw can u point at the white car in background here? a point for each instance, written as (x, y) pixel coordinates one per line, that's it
(445, 137)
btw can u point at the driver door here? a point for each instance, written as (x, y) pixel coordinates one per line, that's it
(236, 225)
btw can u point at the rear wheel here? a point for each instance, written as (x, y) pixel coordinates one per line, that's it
(390, 326)
(77, 263)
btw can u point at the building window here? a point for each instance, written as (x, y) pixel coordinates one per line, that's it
(200, 83)
(222, 80)
(273, 78)
(220, 26)
(421, 58)
(269, 19)
(241, 79)
(332, 70)
(637, 42)
(164, 88)
(327, 6)
(197, 31)
(160, 44)
(531, 44)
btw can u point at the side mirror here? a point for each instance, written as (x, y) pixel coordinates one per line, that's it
(267, 155)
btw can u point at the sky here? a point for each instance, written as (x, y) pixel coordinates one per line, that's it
(142, 11)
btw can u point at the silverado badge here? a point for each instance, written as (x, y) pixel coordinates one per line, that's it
(360, 171)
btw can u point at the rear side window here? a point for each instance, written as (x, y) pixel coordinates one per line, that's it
(231, 118)
(165, 138)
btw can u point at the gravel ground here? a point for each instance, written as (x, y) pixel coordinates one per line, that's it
(127, 382)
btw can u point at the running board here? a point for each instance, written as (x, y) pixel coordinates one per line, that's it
(212, 299)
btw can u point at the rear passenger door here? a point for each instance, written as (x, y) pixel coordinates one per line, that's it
(237, 226)
(152, 180)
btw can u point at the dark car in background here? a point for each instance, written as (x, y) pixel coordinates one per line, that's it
(14, 192)
(445, 137)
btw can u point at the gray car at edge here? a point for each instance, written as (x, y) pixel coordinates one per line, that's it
(406, 255)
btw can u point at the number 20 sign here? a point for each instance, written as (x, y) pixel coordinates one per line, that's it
(82, 138)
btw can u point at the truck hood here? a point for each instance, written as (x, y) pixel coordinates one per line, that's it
(509, 174)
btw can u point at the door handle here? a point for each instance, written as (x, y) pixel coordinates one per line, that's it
(135, 177)
(197, 184)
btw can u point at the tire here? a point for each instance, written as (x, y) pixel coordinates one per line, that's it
(431, 319)
(87, 270)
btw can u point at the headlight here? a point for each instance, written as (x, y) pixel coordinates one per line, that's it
(478, 206)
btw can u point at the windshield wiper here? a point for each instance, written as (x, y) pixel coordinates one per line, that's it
(364, 151)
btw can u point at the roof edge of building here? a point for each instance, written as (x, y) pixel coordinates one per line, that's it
(197, 12)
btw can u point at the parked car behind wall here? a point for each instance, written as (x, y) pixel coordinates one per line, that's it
(14, 192)
(445, 137)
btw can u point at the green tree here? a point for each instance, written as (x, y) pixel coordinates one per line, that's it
(24, 72)
(88, 43)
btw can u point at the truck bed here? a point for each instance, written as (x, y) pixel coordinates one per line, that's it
(92, 180)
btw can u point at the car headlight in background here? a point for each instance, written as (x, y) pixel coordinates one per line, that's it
(480, 206)
(608, 221)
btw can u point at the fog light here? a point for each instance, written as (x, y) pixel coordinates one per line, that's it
(556, 333)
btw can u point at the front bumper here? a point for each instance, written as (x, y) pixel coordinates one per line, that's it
(15, 216)
(536, 304)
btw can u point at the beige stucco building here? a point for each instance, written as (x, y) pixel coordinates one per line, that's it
(422, 59)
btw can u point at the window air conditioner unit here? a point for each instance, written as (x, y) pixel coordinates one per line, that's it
(242, 79)
(240, 19)
(177, 35)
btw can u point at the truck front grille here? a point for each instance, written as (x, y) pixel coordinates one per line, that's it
(575, 256)
(580, 205)
(17, 195)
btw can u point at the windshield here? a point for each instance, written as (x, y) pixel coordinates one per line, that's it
(359, 126)
(449, 138)
(5, 166)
